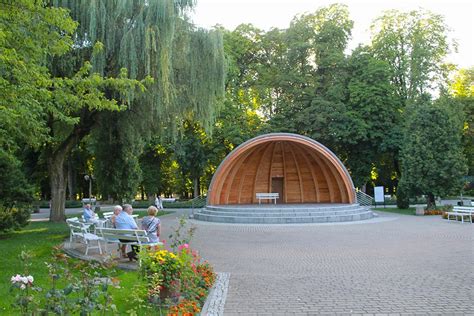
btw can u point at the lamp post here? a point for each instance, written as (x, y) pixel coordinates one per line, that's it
(89, 178)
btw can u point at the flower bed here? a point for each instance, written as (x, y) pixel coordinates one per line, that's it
(439, 210)
(434, 212)
(177, 280)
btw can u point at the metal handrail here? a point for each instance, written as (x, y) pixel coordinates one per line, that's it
(198, 202)
(364, 199)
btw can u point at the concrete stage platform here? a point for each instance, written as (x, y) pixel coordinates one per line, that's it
(283, 213)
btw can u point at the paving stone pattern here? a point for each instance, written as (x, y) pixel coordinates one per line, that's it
(404, 266)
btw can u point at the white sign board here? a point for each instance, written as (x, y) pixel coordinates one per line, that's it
(378, 193)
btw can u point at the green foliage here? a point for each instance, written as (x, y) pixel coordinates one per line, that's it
(65, 92)
(403, 201)
(14, 187)
(16, 194)
(38, 238)
(462, 88)
(432, 159)
(177, 277)
(68, 204)
(117, 147)
(152, 163)
(182, 234)
(191, 153)
(13, 218)
(398, 210)
(149, 38)
(371, 101)
(154, 38)
(414, 44)
(28, 37)
(83, 294)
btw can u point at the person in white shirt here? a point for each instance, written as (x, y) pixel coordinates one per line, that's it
(158, 203)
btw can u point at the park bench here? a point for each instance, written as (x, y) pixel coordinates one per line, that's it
(125, 236)
(107, 219)
(267, 196)
(80, 230)
(461, 211)
(107, 215)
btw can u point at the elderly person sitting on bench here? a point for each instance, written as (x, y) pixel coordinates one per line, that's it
(89, 215)
(117, 210)
(151, 224)
(124, 220)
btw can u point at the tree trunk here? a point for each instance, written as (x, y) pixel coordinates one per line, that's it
(142, 193)
(430, 201)
(151, 198)
(196, 187)
(70, 181)
(56, 163)
(58, 182)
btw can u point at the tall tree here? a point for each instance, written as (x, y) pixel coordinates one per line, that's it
(414, 44)
(117, 145)
(27, 39)
(142, 37)
(312, 76)
(432, 157)
(462, 89)
(30, 33)
(37, 33)
(152, 38)
(191, 153)
(85, 96)
(153, 162)
(372, 100)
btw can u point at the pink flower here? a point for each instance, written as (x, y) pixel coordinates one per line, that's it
(16, 278)
(183, 246)
(30, 279)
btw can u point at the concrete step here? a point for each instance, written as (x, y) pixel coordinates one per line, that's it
(362, 215)
(279, 208)
(282, 212)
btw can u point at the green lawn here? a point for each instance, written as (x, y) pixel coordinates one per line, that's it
(39, 238)
(408, 211)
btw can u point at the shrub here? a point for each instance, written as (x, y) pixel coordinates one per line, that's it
(13, 218)
(403, 201)
(69, 204)
(16, 194)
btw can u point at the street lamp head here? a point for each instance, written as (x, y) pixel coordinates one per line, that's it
(86, 177)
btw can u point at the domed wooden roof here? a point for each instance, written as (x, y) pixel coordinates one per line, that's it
(299, 168)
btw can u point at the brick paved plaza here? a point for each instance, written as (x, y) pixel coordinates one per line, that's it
(395, 264)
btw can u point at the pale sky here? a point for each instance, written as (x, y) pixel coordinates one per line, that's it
(264, 14)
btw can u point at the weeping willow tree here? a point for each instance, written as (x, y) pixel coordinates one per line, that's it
(154, 38)
(147, 38)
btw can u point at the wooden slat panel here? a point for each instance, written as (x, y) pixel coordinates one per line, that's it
(263, 170)
(231, 178)
(248, 173)
(298, 171)
(308, 176)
